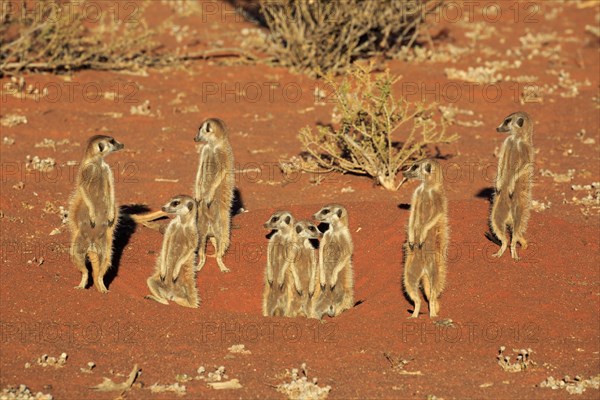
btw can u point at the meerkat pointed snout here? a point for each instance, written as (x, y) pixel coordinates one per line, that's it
(426, 247)
(215, 183)
(174, 278)
(93, 211)
(512, 199)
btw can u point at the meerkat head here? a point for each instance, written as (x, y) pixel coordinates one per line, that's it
(180, 205)
(518, 123)
(331, 214)
(427, 170)
(102, 146)
(306, 229)
(212, 129)
(280, 220)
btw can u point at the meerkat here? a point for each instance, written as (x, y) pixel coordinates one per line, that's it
(336, 274)
(512, 200)
(93, 212)
(174, 278)
(427, 245)
(278, 257)
(301, 270)
(214, 190)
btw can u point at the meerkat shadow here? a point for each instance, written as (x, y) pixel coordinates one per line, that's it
(486, 193)
(237, 205)
(123, 231)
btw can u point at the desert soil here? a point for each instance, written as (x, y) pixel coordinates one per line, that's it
(547, 302)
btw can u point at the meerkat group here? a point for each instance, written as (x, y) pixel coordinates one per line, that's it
(93, 214)
(308, 273)
(300, 282)
(427, 244)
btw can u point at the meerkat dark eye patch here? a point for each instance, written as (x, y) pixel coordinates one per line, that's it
(427, 167)
(325, 212)
(208, 127)
(101, 147)
(520, 122)
(274, 219)
(175, 203)
(507, 121)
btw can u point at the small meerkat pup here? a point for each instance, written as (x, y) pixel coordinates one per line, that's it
(335, 262)
(512, 200)
(174, 278)
(93, 211)
(215, 182)
(301, 269)
(426, 250)
(278, 257)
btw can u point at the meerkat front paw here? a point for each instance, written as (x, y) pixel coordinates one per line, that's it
(111, 222)
(411, 245)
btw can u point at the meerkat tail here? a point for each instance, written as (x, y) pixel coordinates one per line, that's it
(143, 218)
(492, 238)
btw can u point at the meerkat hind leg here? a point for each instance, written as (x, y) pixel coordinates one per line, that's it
(411, 285)
(96, 262)
(498, 222)
(220, 248)
(153, 285)
(201, 253)
(431, 296)
(80, 262)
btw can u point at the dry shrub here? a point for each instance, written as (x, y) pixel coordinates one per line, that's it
(317, 36)
(57, 39)
(376, 134)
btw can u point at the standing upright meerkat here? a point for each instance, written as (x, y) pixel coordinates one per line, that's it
(427, 246)
(174, 278)
(336, 275)
(301, 269)
(512, 200)
(214, 187)
(93, 211)
(279, 252)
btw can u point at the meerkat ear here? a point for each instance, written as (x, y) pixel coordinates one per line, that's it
(190, 205)
(520, 122)
(288, 219)
(427, 167)
(298, 229)
(208, 127)
(339, 212)
(101, 147)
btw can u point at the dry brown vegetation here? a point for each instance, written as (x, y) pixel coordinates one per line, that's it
(373, 133)
(317, 37)
(57, 37)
